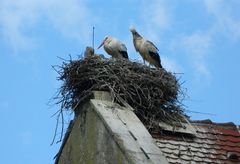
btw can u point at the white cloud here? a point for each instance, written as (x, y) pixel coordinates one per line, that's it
(15, 17)
(196, 47)
(171, 65)
(156, 18)
(227, 17)
(73, 18)
(156, 14)
(18, 18)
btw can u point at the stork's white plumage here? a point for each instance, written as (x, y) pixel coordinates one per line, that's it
(114, 47)
(146, 49)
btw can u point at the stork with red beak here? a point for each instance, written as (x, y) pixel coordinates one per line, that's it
(114, 47)
(146, 49)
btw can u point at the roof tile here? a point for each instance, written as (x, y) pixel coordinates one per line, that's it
(211, 144)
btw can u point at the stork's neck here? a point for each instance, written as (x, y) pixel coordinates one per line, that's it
(137, 41)
(137, 35)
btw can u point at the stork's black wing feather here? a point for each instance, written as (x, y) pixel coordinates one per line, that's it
(124, 54)
(155, 56)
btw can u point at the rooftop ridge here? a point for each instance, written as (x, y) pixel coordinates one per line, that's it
(208, 121)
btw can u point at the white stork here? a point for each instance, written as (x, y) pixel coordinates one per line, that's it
(146, 49)
(114, 47)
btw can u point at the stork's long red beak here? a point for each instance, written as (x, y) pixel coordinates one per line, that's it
(101, 44)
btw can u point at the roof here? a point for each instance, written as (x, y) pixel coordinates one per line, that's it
(211, 143)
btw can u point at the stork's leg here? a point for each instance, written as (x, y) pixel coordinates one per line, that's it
(143, 61)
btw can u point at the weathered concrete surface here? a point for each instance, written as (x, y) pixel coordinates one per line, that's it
(90, 142)
(106, 133)
(129, 133)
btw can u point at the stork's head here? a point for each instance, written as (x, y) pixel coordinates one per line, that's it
(132, 29)
(106, 40)
(135, 33)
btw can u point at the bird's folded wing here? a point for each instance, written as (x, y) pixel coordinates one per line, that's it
(151, 45)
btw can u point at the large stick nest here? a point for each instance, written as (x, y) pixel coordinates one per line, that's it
(152, 93)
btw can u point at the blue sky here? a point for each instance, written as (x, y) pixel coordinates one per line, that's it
(199, 38)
